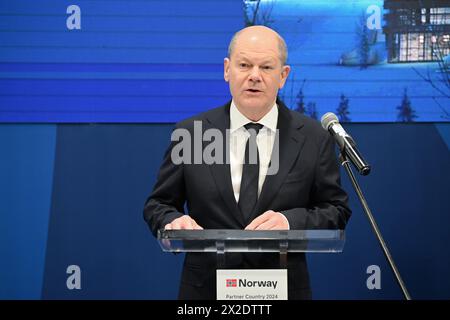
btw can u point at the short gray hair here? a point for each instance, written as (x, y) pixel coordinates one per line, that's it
(282, 47)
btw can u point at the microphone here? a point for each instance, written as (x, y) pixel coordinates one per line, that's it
(346, 143)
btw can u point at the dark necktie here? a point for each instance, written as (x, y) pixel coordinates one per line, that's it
(248, 194)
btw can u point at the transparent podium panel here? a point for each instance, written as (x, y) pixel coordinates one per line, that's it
(228, 240)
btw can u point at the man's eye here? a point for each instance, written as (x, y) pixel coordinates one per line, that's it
(267, 67)
(243, 65)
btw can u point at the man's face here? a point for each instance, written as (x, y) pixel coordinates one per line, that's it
(255, 73)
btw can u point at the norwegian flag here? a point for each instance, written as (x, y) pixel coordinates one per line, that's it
(231, 283)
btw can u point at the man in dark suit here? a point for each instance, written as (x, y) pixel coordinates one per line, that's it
(293, 184)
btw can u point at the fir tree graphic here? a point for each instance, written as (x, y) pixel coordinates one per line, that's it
(405, 111)
(300, 100)
(342, 109)
(311, 110)
(363, 45)
(300, 103)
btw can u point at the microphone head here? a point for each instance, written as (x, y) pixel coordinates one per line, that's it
(328, 119)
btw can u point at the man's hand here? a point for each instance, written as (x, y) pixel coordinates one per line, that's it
(184, 222)
(269, 220)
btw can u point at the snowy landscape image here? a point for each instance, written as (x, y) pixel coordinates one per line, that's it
(162, 61)
(343, 60)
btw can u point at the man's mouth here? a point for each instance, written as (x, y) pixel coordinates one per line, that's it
(253, 90)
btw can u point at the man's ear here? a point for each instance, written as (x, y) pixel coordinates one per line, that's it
(226, 69)
(284, 75)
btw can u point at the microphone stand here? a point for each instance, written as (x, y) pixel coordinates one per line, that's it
(346, 164)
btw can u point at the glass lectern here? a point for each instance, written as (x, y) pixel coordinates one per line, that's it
(222, 241)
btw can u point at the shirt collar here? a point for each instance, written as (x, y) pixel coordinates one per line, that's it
(238, 120)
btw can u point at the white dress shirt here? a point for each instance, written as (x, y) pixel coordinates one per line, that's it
(238, 141)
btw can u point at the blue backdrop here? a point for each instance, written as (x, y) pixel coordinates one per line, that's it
(74, 194)
(86, 114)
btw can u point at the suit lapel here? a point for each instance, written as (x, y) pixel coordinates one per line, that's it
(290, 143)
(221, 172)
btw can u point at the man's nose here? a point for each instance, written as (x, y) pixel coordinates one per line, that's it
(255, 74)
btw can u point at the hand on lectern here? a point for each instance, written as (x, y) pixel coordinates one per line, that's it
(269, 220)
(184, 222)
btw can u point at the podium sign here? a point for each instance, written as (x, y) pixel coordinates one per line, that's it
(248, 284)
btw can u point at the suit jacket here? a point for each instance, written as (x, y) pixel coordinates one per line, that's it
(306, 190)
